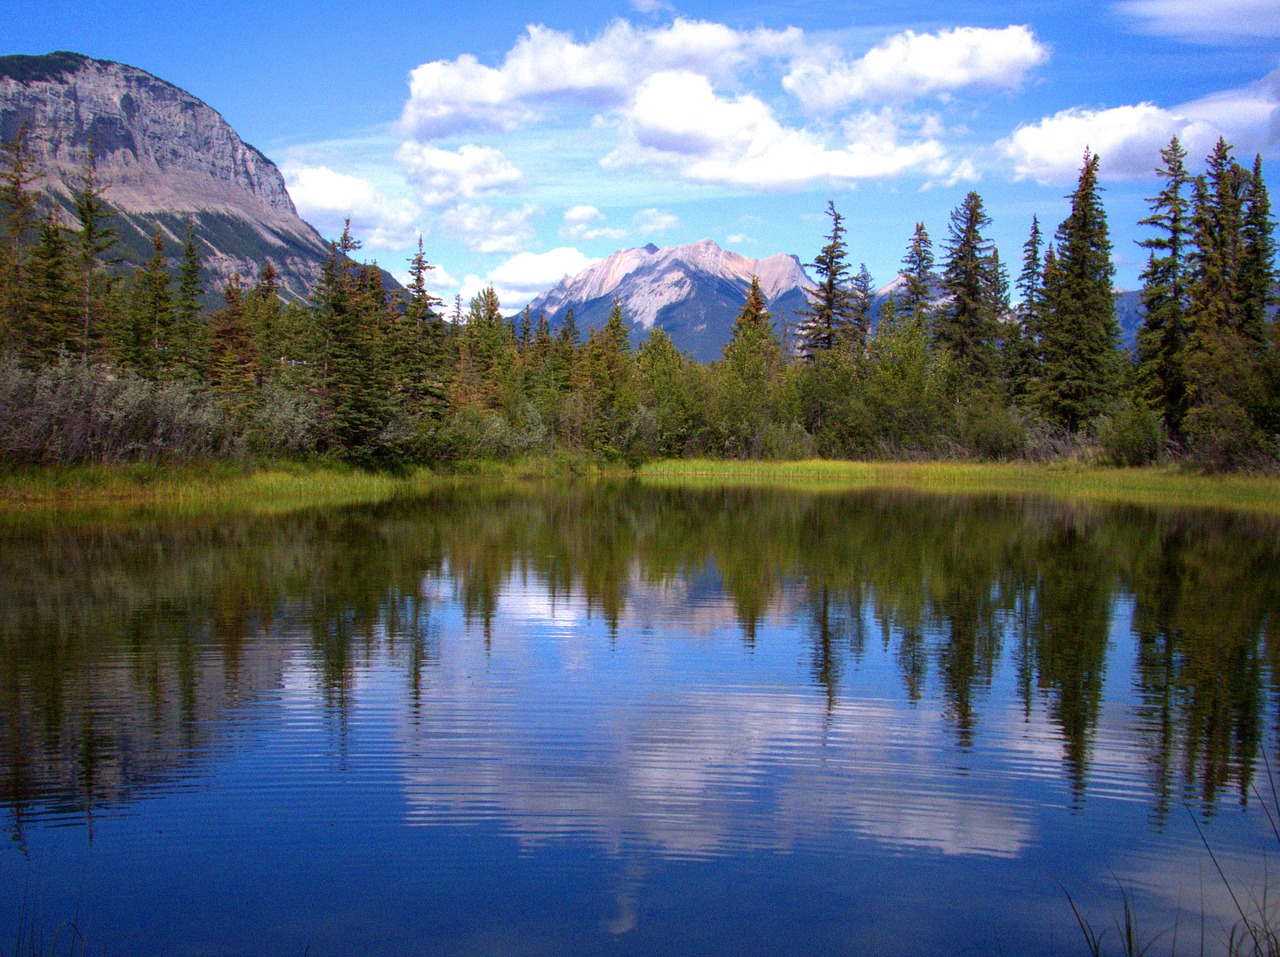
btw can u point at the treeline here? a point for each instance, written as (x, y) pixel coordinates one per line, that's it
(102, 367)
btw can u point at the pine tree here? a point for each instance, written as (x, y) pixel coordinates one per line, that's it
(966, 323)
(233, 358)
(149, 316)
(831, 303)
(1080, 367)
(1164, 293)
(93, 239)
(17, 205)
(1258, 257)
(188, 341)
(861, 302)
(51, 318)
(752, 363)
(917, 270)
(1225, 349)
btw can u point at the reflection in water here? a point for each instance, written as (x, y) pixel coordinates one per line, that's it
(923, 674)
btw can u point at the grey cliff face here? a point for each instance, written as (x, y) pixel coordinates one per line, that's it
(165, 156)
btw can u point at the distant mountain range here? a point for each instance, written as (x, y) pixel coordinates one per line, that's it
(693, 293)
(165, 156)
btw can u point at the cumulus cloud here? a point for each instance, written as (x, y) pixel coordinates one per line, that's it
(912, 65)
(548, 66)
(525, 275)
(1128, 139)
(326, 199)
(1198, 21)
(445, 176)
(678, 122)
(482, 229)
(587, 223)
(651, 221)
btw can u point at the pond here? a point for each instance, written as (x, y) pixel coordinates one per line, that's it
(602, 718)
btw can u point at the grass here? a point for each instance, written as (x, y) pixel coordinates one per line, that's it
(266, 488)
(1155, 486)
(278, 487)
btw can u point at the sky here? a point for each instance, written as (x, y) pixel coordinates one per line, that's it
(525, 141)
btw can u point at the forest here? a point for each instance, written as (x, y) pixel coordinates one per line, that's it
(100, 364)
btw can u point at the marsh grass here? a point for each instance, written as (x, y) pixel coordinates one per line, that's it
(1151, 486)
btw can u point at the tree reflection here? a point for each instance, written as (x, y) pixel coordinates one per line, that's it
(120, 645)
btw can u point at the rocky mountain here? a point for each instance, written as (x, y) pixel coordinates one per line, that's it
(165, 156)
(693, 293)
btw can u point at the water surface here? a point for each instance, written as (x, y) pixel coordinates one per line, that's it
(609, 719)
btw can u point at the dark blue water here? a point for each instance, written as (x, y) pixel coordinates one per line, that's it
(598, 720)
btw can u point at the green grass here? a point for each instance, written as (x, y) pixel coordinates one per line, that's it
(1156, 486)
(274, 487)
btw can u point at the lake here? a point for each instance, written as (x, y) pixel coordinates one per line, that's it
(610, 718)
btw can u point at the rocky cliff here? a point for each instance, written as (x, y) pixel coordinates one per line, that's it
(165, 157)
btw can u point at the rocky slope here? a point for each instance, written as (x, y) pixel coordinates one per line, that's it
(693, 293)
(165, 156)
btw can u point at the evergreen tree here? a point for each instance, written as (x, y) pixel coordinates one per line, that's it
(917, 270)
(1080, 366)
(1164, 293)
(51, 319)
(1225, 347)
(966, 323)
(94, 238)
(149, 315)
(831, 303)
(233, 358)
(1258, 257)
(752, 363)
(188, 345)
(861, 301)
(17, 206)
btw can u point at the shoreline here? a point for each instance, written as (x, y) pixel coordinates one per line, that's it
(273, 487)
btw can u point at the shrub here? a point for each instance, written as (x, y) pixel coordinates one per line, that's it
(1131, 435)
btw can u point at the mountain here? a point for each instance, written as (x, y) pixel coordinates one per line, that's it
(165, 156)
(693, 293)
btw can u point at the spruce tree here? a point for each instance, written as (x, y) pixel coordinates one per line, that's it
(1080, 368)
(17, 206)
(51, 318)
(1163, 334)
(965, 324)
(752, 362)
(830, 307)
(94, 238)
(188, 345)
(861, 302)
(917, 270)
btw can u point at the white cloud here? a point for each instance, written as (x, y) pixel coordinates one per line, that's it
(649, 221)
(545, 66)
(445, 176)
(525, 275)
(677, 122)
(537, 272)
(586, 223)
(326, 199)
(1128, 139)
(1201, 21)
(482, 229)
(912, 65)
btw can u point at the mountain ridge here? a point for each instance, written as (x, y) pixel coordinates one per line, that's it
(692, 292)
(164, 156)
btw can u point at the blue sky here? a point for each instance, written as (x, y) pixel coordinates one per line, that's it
(526, 141)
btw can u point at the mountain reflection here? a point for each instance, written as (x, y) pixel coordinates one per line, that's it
(545, 635)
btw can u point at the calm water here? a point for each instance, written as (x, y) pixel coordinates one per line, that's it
(615, 720)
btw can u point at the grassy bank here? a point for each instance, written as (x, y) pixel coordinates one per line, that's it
(261, 488)
(282, 487)
(1155, 486)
